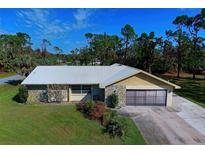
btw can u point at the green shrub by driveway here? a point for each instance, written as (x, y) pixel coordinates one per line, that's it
(112, 100)
(115, 125)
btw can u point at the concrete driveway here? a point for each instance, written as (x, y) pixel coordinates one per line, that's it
(11, 79)
(182, 124)
(192, 113)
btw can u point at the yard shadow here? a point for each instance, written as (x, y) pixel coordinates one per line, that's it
(14, 82)
(15, 98)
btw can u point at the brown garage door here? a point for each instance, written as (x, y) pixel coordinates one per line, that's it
(146, 97)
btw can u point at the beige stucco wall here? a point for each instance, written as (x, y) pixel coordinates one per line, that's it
(169, 98)
(143, 81)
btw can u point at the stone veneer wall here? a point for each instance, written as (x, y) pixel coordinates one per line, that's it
(57, 93)
(120, 90)
(35, 96)
(52, 93)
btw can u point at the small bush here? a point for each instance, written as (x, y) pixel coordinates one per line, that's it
(97, 112)
(109, 115)
(114, 124)
(22, 95)
(113, 100)
(85, 107)
(79, 107)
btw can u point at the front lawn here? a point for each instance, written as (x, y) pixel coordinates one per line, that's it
(52, 124)
(6, 74)
(194, 90)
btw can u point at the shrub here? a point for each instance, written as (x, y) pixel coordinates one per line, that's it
(85, 107)
(97, 112)
(79, 107)
(114, 124)
(22, 95)
(113, 100)
(110, 114)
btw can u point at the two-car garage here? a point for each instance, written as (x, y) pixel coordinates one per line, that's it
(146, 97)
(145, 90)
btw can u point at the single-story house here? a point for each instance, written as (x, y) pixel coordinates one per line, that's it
(79, 83)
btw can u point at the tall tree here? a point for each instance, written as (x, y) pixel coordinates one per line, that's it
(182, 44)
(168, 56)
(74, 56)
(147, 45)
(57, 50)
(85, 56)
(129, 35)
(194, 25)
(45, 43)
(103, 47)
(12, 45)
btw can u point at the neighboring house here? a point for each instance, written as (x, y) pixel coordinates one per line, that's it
(79, 83)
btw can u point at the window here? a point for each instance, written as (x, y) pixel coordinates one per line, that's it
(76, 89)
(36, 87)
(81, 89)
(86, 89)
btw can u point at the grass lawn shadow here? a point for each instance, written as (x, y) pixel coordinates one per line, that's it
(14, 82)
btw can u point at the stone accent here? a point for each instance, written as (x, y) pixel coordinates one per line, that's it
(57, 95)
(35, 96)
(120, 90)
(52, 93)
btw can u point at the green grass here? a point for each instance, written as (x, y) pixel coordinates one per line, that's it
(7, 74)
(194, 90)
(52, 124)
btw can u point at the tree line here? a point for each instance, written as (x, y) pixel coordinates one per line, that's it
(182, 49)
(17, 55)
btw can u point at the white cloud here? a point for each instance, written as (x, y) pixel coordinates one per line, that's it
(82, 18)
(46, 25)
(42, 22)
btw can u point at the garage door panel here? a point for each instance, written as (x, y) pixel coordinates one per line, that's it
(140, 93)
(160, 100)
(150, 93)
(131, 94)
(161, 93)
(146, 97)
(131, 101)
(150, 100)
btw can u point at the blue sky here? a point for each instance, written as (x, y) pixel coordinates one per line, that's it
(66, 27)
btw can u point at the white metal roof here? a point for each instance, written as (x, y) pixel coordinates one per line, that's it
(77, 74)
(102, 75)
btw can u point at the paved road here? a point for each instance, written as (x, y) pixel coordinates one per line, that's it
(176, 125)
(10, 79)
